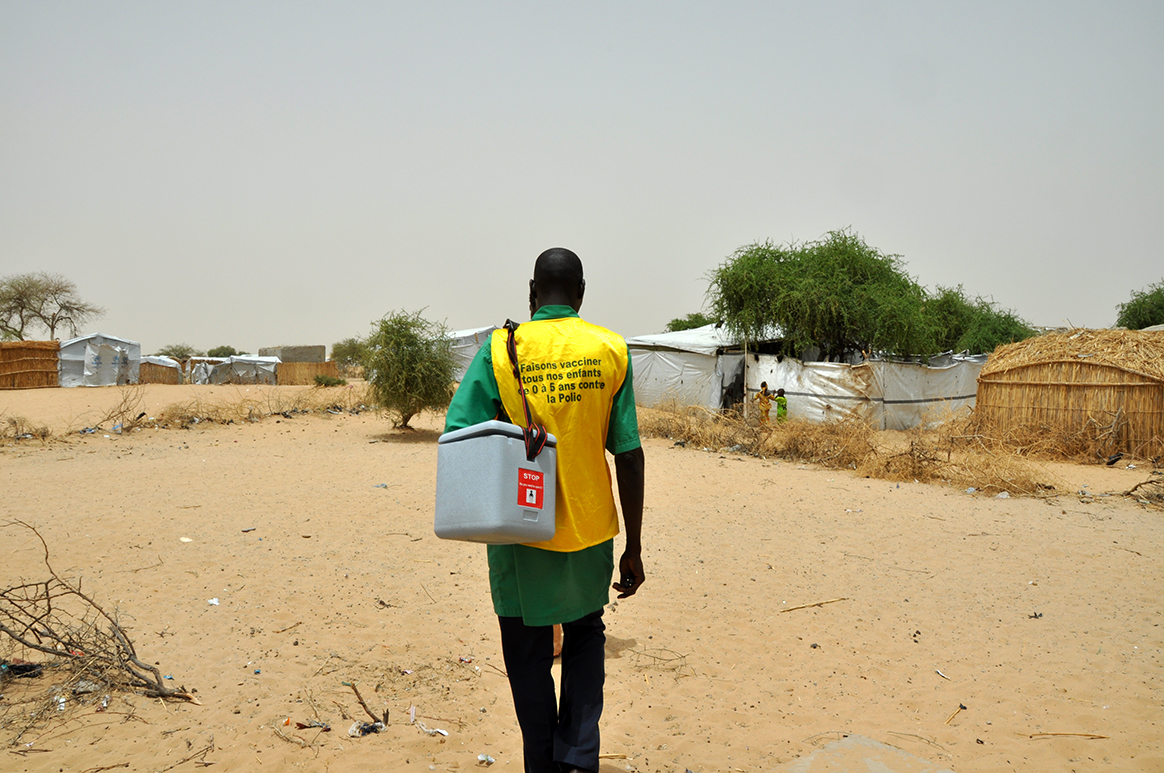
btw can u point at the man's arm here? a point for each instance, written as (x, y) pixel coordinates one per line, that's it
(628, 468)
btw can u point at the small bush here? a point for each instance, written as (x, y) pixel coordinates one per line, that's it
(323, 380)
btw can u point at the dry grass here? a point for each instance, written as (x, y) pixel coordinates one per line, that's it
(20, 428)
(353, 398)
(943, 453)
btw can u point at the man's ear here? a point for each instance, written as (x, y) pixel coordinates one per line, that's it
(581, 288)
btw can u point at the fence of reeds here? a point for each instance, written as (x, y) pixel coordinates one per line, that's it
(304, 373)
(1088, 393)
(149, 373)
(29, 364)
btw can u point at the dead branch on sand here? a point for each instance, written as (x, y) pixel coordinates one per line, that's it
(84, 642)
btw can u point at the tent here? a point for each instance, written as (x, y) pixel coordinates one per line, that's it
(465, 346)
(888, 394)
(245, 369)
(701, 366)
(198, 369)
(99, 360)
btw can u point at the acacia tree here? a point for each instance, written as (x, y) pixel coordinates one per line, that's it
(412, 365)
(41, 299)
(975, 325)
(1144, 309)
(838, 294)
(179, 351)
(843, 296)
(693, 320)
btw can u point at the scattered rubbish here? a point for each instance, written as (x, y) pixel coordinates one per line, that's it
(943, 675)
(1114, 458)
(248, 529)
(312, 724)
(185, 539)
(104, 703)
(405, 671)
(60, 703)
(1130, 467)
(87, 431)
(433, 731)
(381, 485)
(1035, 615)
(485, 759)
(167, 676)
(117, 428)
(257, 671)
(21, 669)
(107, 437)
(961, 707)
(971, 490)
(212, 602)
(466, 658)
(360, 729)
(1003, 495)
(411, 714)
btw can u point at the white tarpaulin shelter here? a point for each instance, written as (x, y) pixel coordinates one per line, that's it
(692, 367)
(99, 360)
(889, 395)
(198, 369)
(465, 346)
(245, 369)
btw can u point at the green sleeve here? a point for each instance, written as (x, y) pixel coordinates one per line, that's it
(623, 432)
(477, 398)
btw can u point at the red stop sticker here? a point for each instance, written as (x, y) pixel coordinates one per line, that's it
(530, 488)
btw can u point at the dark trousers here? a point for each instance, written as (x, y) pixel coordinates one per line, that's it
(556, 738)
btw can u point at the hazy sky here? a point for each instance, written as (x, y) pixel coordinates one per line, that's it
(258, 174)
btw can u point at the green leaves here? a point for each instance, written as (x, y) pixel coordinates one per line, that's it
(411, 365)
(1144, 309)
(843, 296)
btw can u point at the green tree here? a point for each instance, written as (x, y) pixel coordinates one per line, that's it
(975, 325)
(411, 365)
(223, 351)
(838, 294)
(1144, 309)
(41, 299)
(693, 320)
(349, 352)
(179, 351)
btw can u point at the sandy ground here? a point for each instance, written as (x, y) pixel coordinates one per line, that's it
(709, 667)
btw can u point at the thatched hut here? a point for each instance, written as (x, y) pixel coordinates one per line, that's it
(1107, 385)
(29, 364)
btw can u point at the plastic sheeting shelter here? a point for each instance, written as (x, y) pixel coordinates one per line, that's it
(198, 369)
(465, 346)
(245, 370)
(887, 394)
(691, 367)
(99, 360)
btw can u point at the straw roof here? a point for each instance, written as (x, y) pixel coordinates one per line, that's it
(1134, 351)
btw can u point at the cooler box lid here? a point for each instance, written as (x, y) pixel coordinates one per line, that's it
(491, 427)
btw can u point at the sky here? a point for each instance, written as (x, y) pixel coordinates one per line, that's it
(263, 174)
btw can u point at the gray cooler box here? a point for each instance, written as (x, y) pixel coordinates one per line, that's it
(488, 492)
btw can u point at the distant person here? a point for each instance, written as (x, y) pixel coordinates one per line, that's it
(781, 406)
(763, 399)
(589, 406)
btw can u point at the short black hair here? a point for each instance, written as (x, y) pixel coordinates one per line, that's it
(558, 267)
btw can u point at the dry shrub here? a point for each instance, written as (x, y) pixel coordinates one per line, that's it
(1094, 440)
(253, 407)
(935, 452)
(20, 428)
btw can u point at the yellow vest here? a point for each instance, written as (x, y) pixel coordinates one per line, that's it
(572, 371)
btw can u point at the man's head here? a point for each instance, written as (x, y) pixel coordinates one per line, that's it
(557, 280)
(779, 392)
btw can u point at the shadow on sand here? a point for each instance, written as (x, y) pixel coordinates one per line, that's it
(404, 436)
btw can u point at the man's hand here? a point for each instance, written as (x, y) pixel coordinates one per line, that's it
(628, 468)
(630, 569)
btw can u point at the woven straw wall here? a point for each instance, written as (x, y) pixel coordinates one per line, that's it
(303, 373)
(29, 364)
(150, 373)
(1072, 395)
